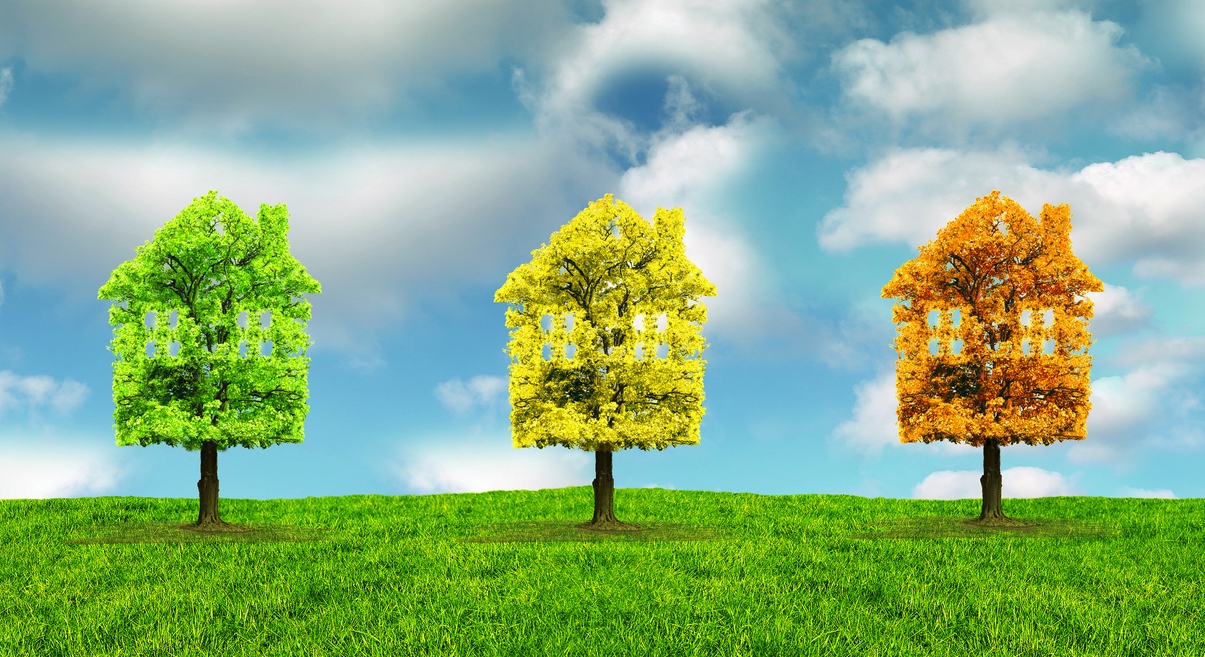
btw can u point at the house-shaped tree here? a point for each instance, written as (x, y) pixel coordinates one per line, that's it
(589, 315)
(1015, 367)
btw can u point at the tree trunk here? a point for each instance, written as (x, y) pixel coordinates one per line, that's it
(604, 495)
(992, 484)
(208, 486)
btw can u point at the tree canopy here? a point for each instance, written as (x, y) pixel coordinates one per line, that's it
(1003, 272)
(605, 293)
(220, 275)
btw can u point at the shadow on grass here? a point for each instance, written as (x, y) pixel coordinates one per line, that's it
(168, 532)
(962, 527)
(541, 531)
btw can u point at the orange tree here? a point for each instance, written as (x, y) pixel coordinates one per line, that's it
(1006, 275)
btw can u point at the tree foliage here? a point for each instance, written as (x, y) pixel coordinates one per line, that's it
(220, 274)
(1004, 273)
(605, 281)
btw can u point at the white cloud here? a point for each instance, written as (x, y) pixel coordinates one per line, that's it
(1116, 310)
(907, 195)
(1144, 209)
(1164, 493)
(43, 471)
(1015, 66)
(688, 169)
(1149, 210)
(874, 423)
(686, 165)
(29, 392)
(1018, 482)
(1132, 412)
(440, 465)
(230, 66)
(69, 395)
(456, 396)
(6, 83)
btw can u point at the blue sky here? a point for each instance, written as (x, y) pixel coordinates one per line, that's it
(425, 149)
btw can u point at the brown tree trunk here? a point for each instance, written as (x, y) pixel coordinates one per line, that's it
(992, 483)
(604, 495)
(208, 486)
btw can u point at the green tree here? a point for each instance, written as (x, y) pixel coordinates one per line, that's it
(588, 315)
(1004, 273)
(217, 286)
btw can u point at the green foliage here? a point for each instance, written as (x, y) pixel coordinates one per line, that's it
(207, 267)
(603, 280)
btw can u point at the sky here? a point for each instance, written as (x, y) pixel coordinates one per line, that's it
(424, 150)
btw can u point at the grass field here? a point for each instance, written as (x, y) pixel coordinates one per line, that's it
(508, 573)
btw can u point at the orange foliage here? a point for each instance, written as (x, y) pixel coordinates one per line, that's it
(992, 264)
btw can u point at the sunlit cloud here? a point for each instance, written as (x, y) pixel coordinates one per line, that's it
(460, 397)
(1018, 482)
(32, 468)
(31, 392)
(1027, 64)
(443, 464)
(6, 83)
(1116, 310)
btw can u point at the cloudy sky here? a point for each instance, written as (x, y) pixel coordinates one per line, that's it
(425, 149)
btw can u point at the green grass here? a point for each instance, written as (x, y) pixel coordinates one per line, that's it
(509, 573)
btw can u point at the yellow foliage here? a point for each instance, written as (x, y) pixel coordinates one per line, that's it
(993, 264)
(603, 280)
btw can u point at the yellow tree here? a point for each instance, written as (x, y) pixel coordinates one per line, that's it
(589, 315)
(1007, 276)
